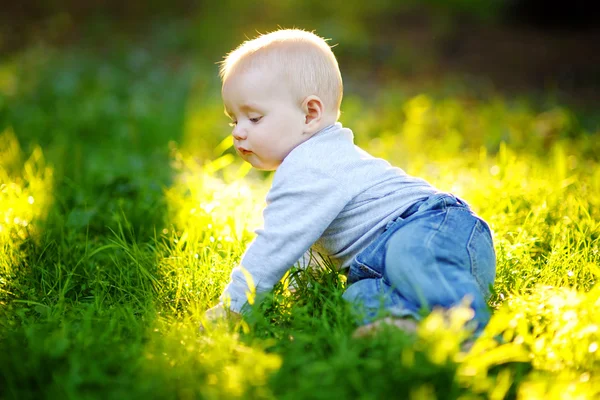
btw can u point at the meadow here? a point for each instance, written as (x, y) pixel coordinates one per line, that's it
(123, 209)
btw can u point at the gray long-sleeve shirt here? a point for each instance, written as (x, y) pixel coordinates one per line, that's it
(328, 194)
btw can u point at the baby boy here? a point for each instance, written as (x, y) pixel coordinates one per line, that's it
(405, 246)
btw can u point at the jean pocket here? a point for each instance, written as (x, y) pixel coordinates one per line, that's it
(359, 271)
(483, 257)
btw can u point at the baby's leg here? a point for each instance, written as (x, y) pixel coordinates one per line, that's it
(372, 297)
(440, 256)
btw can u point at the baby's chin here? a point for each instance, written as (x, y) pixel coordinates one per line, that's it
(257, 164)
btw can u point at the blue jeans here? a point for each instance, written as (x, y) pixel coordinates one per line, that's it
(434, 255)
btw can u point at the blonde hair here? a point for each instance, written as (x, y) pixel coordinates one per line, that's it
(304, 60)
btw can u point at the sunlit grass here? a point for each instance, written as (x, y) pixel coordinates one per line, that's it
(118, 251)
(212, 214)
(26, 187)
(554, 329)
(213, 365)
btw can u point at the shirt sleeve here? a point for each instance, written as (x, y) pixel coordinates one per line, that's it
(300, 206)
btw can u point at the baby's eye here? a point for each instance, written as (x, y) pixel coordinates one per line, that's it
(255, 120)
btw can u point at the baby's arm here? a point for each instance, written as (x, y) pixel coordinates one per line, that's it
(221, 312)
(296, 215)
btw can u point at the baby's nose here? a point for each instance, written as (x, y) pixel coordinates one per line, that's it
(239, 134)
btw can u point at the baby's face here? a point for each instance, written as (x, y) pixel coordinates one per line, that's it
(267, 122)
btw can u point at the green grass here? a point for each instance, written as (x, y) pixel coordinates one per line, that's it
(123, 210)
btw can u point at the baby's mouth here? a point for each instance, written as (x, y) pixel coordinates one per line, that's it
(243, 151)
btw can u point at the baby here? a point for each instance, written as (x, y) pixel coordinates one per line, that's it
(405, 246)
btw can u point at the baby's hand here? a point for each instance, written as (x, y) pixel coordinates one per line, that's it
(219, 313)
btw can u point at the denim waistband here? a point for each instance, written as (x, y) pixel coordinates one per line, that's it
(427, 203)
(450, 199)
(412, 209)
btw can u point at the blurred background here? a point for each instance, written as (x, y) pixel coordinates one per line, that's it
(508, 45)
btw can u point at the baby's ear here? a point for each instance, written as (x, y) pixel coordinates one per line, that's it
(313, 108)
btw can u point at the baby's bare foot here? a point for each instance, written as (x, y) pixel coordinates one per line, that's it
(407, 325)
